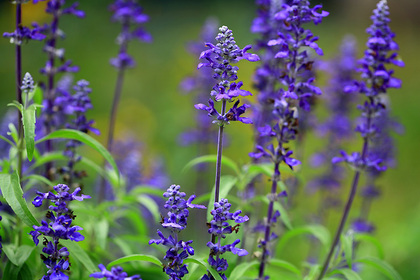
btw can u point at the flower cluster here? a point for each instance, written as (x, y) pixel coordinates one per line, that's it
(131, 16)
(116, 273)
(75, 105)
(220, 58)
(286, 82)
(24, 34)
(220, 227)
(176, 221)
(59, 227)
(377, 79)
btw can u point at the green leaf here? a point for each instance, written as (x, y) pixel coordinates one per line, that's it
(11, 271)
(12, 192)
(84, 138)
(18, 256)
(38, 178)
(47, 157)
(137, 257)
(286, 265)
(320, 232)
(8, 141)
(382, 266)
(240, 270)
(347, 243)
(78, 253)
(101, 232)
(145, 189)
(13, 132)
(205, 265)
(226, 184)
(313, 271)
(16, 104)
(363, 237)
(150, 205)
(25, 272)
(28, 120)
(348, 273)
(213, 158)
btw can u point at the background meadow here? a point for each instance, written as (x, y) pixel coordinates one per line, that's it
(155, 111)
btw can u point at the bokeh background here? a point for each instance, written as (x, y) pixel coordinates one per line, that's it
(155, 111)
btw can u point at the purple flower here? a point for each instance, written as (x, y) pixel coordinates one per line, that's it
(116, 273)
(59, 227)
(24, 34)
(219, 227)
(130, 14)
(176, 221)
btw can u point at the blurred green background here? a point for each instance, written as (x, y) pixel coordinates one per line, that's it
(154, 109)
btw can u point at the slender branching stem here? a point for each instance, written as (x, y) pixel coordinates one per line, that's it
(18, 49)
(349, 203)
(265, 252)
(219, 162)
(114, 107)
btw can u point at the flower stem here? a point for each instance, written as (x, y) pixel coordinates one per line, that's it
(18, 89)
(265, 253)
(114, 107)
(348, 205)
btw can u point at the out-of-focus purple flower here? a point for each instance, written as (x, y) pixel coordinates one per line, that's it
(59, 227)
(220, 227)
(176, 221)
(24, 34)
(130, 14)
(116, 273)
(336, 126)
(376, 80)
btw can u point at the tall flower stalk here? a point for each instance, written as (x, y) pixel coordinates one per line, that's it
(282, 124)
(377, 79)
(21, 34)
(220, 58)
(55, 64)
(130, 14)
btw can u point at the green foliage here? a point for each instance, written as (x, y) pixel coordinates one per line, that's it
(84, 138)
(137, 257)
(78, 253)
(12, 192)
(213, 158)
(205, 265)
(380, 265)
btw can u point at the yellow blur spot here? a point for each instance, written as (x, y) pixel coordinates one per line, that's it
(34, 12)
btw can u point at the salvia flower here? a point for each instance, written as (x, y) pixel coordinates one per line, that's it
(27, 83)
(176, 221)
(220, 58)
(116, 273)
(220, 228)
(24, 34)
(130, 14)
(377, 79)
(59, 227)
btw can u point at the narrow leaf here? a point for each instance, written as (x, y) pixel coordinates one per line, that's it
(320, 232)
(78, 253)
(12, 192)
(286, 265)
(137, 257)
(363, 237)
(84, 138)
(8, 141)
(347, 243)
(346, 272)
(240, 270)
(382, 266)
(28, 120)
(205, 265)
(38, 178)
(213, 158)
